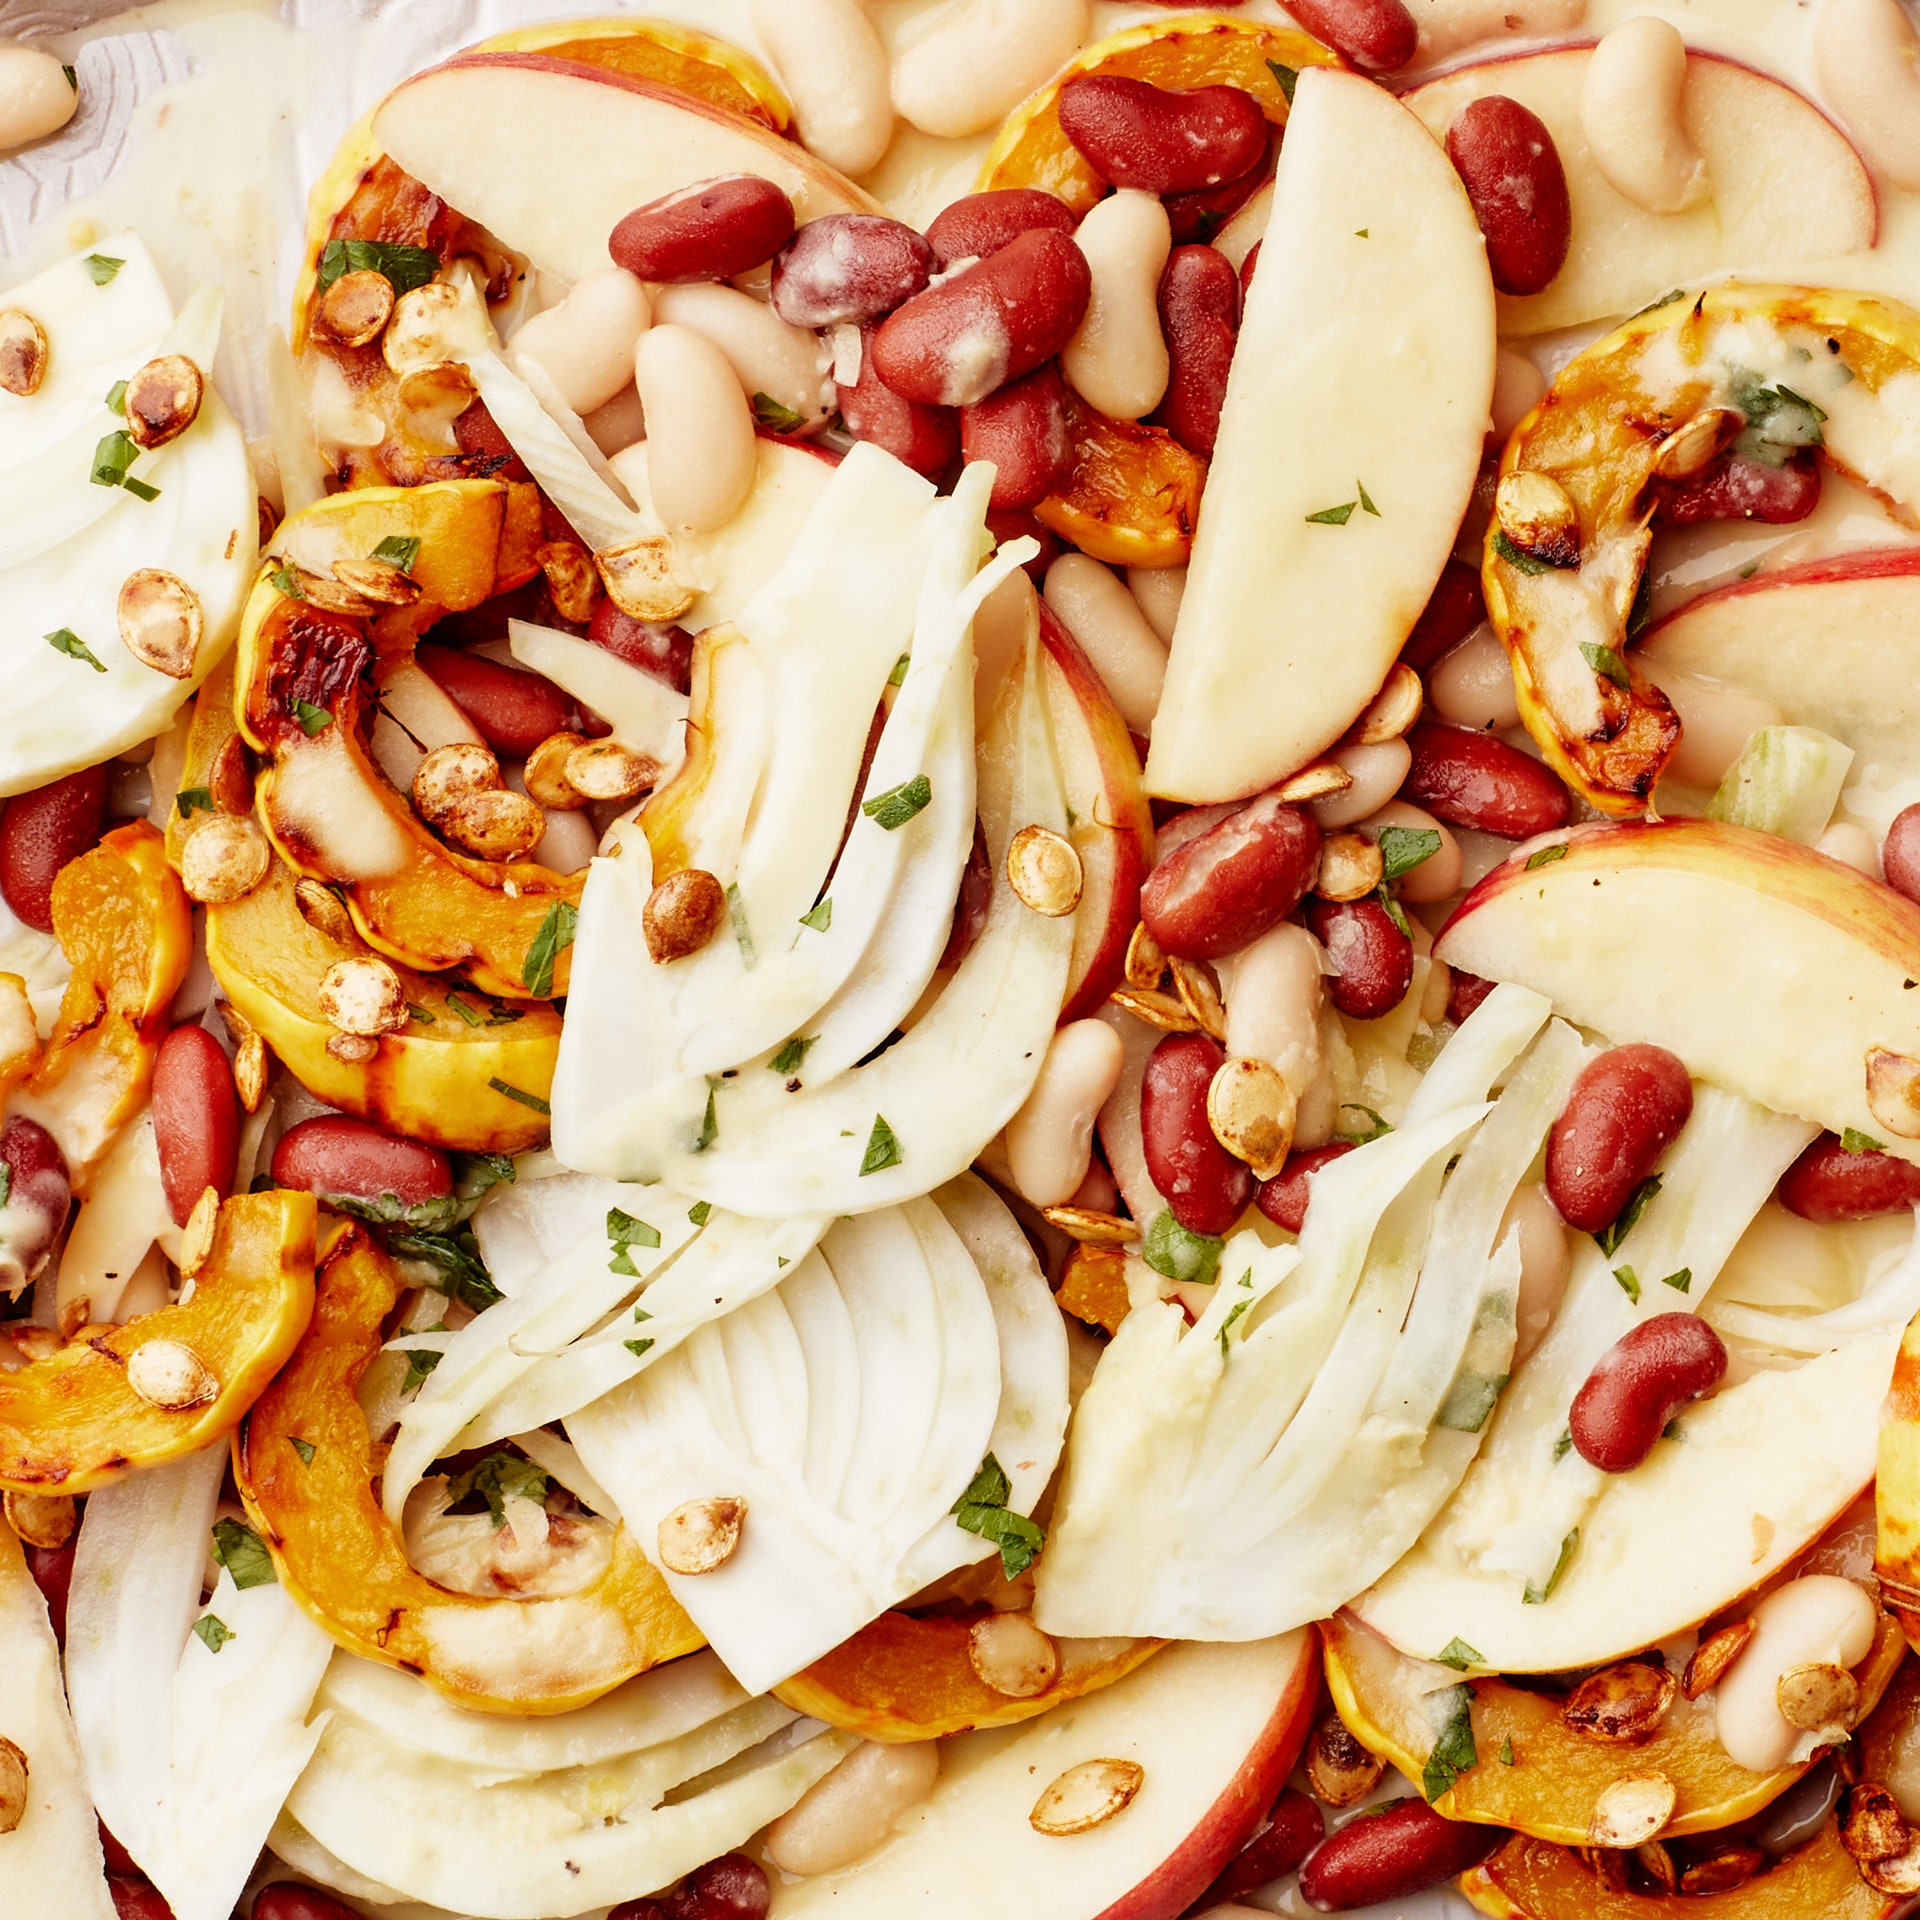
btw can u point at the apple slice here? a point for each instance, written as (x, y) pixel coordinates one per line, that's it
(1786, 184)
(1833, 643)
(1769, 969)
(1352, 432)
(550, 155)
(1215, 1729)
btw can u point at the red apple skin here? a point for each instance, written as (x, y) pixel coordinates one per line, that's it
(1186, 1873)
(1834, 570)
(1101, 767)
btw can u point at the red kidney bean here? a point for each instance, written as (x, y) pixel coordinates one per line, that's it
(1641, 1382)
(1465, 991)
(1391, 1853)
(708, 231)
(1227, 886)
(638, 1910)
(1471, 779)
(338, 1154)
(38, 1195)
(1246, 271)
(666, 652)
(1827, 1183)
(1006, 524)
(490, 455)
(730, 1888)
(1455, 607)
(1200, 316)
(513, 709)
(1626, 1109)
(1207, 1188)
(1283, 1199)
(1023, 430)
(983, 223)
(137, 1899)
(196, 1118)
(1740, 489)
(1374, 958)
(974, 902)
(1900, 852)
(1138, 135)
(1507, 161)
(1294, 1828)
(40, 832)
(1377, 36)
(923, 438)
(287, 1900)
(1194, 217)
(960, 341)
(52, 1570)
(848, 266)
(118, 1859)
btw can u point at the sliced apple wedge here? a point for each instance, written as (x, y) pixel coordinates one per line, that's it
(588, 144)
(1769, 969)
(1214, 1729)
(1351, 435)
(1786, 184)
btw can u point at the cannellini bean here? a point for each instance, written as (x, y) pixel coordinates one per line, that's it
(1852, 846)
(1716, 722)
(835, 70)
(1050, 1140)
(1473, 685)
(617, 425)
(1377, 773)
(1106, 619)
(849, 1812)
(975, 61)
(1544, 1264)
(702, 456)
(1631, 112)
(1117, 361)
(585, 344)
(1517, 387)
(790, 365)
(1273, 991)
(1867, 56)
(1160, 591)
(35, 97)
(1438, 876)
(1819, 1618)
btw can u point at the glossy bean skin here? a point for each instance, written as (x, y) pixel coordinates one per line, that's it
(52, 1571)
(1465, 991)
(1377, 36)
(973, 903)
(1294, 1828)
(1200, 316)
(1471, 779)
(980, 224)
(1283, 1199)
(1375, 959)
(38, 1196)
(137, 1899)
(1645, 1378)
(729, 1888)
(489, 452)
(1625, 1110)
(849, 267)
(1746, 490)
(960, 341)
(1455, 607)
(1023, 430)
(336, 1154)
(921, 437)
(1204, 1185)
(711, 230)
(1900, 853)
(666, 652)
(1391, 1854)
(196, 1118)
(40, 832)
(515, 710)
(288, 1900)
(1827, 1183)
(1507, 161)
(1197, 217)
(1223, 889)
(702, 452)
(1135, 134)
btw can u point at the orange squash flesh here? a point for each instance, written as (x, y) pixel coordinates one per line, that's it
(70, 1422)
(317, 1506)
(1133, 497)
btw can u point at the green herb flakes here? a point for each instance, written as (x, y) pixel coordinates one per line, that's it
(709, 1127)
(65, 640)
(1609, 1238)
(1546, 857)
(402, 549)
(191, 800)
(117, 398)
(1404, 848)
(421, 1361)
(700, 1212)
(243, 1553)
(1506, 1751)
(638, 1348)
(1681, 1282)
(1854, 1141)
(113, 457)
(495, 1480)
(742, 933)
(529, 1100)
(883, 1150)
(789, 1060)
(1458, 1655)
(101, 267)
(403, 267)
(304, 1448)
(1170, 1249)
(1366, 502)
(821, 918)
(1332, 516)
(1517, 558)
(898, 677)
(1454, 1752)
(551, 939)
(312, 719)
(894, 808)
(776, 418)
(212, 1632)
(1287, 77)
(1379, 1126)
(983, 1509)
(1605, 662)
(1539, 1596)
(624, 1233)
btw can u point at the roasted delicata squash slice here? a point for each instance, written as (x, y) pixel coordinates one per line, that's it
(306, 1466)
(122, 920)
(172, 1381)
(1133, 497)
(1759, 374)
(1896, 1491)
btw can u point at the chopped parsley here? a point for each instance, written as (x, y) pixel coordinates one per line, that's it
(65, 640)
(638, 1348)
(898, 677)
(1681, 1282)
(403, 267)
(113, 458)
(983, 1509)
(1546, 857)
(1360, 486)
(421, 1361)
(212, 1632)
(790, 1058)
(492, 1482)
(1332, 516)
(286, 581)
(624, 1233)
(117, 398)
(243, 1553)
(462, 1274)
(1458, 1655)
(709, 1127)
(1381, 1126)
(101, 267)
(883, 1149)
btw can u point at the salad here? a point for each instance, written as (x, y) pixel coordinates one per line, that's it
(961, 957)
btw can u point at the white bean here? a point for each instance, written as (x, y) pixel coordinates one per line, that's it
(790, 365)
(701, 452)
(36, 98)
(1544, 1264)
(975, 60)
(1097, 1193)
(1852, 846)
(1106, 619)
(1517, 387)
(1819, 1618)
(1633, 115)
(1472, 685)
(851, 1810)
(585, 344)
(1716, 722)
(1437, 877)
(1449, 24)
(1160, 591)
(1273, 994)
(1050, 1140)
(1867, 56)
(834, 69)
(1117, 361)
(1377, 771)
(616, 426)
